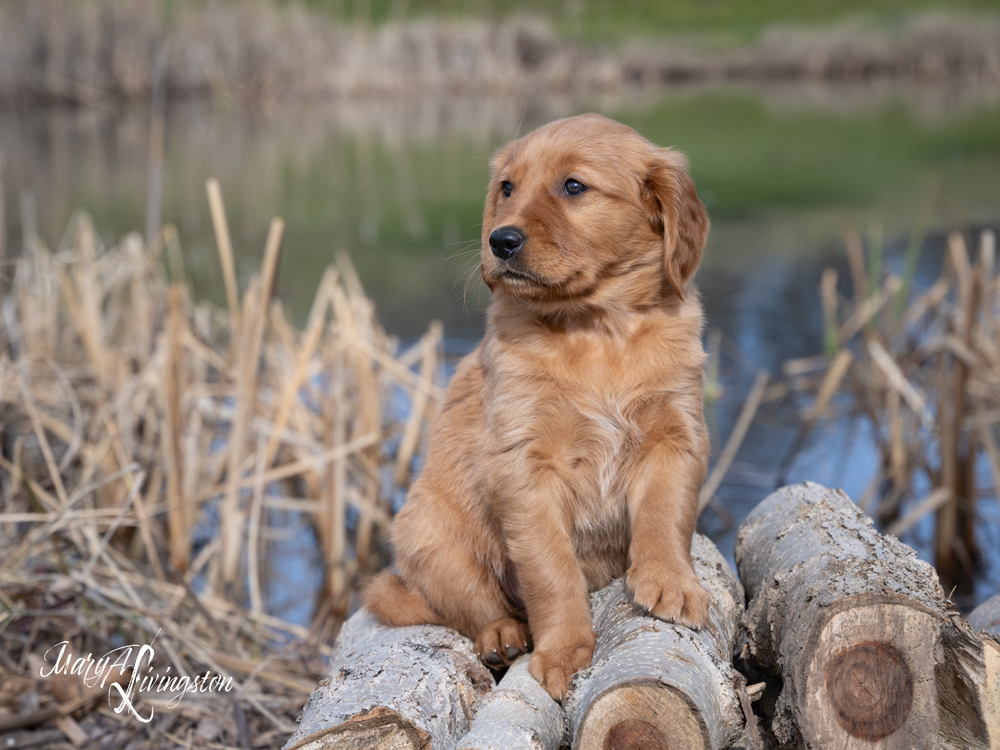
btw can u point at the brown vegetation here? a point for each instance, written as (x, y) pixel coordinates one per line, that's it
(125, 409)
(102, 50)
(924, 370)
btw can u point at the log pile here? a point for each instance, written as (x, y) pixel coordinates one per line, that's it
(651, 683)
(659, 684)
(869, 651)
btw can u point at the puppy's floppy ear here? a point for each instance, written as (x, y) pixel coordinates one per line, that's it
(673, 207)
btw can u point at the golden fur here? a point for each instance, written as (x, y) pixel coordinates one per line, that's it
(571, 445)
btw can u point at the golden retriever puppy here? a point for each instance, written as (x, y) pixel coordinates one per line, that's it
(571, 445)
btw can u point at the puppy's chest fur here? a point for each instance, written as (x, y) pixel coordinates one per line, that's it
(583, 407)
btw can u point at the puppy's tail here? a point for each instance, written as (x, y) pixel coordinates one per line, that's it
(388, 598)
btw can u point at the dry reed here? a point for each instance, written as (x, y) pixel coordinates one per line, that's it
(260, 52)
(924, 370)
(126, 410)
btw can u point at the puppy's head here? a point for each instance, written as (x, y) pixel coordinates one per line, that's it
(585, 213)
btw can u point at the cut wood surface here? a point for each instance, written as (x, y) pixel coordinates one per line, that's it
(987, 616)
(871, 652)
(517, 715)
(655, 685)
(411, 688)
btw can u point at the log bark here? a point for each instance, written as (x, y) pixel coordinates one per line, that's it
(871, 652)
(410, 688)
(653, 684)
(987, 616)
(517, 715)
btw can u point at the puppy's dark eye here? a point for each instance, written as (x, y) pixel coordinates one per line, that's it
(506, 188)
(574, 187)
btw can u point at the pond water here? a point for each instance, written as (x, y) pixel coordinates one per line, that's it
(399, 185)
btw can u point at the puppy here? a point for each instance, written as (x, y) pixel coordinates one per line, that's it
(571, 444)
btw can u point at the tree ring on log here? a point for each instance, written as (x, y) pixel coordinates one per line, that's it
(644, 712)
(635, 734)
(870, 688)
(885, 647)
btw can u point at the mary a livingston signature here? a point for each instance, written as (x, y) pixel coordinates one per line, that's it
(95, 672)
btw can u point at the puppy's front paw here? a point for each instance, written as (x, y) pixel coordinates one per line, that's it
(553, 666)
(671, 595)
(502, 641)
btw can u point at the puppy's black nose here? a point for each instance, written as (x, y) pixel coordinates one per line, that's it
(506, 241)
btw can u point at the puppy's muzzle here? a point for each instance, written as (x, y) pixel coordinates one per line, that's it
(505, 242)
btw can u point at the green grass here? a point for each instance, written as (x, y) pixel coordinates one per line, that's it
(750, 158)
(734, 20)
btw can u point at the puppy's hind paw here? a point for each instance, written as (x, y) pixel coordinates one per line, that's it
(669, 595)
(502, 641)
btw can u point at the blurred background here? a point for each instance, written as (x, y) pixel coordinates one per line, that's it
(368, 126)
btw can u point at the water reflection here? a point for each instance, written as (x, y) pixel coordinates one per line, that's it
(399, 184)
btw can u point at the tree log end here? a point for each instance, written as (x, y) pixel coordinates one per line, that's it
(870, 688)
(991, 690)
(634, 734)
(380, 727)
(871, 677)
(642, 715)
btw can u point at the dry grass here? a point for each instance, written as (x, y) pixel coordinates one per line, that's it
(259, 52)
(924, 370)
(126, 411)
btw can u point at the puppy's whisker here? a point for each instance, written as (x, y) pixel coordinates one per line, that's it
(521, 121)
(467, 278)
(470, 251)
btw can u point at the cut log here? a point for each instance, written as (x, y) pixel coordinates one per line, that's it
(517, 715)
(410, 688)
(987, 616)
(656, 685)
(871, 652)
